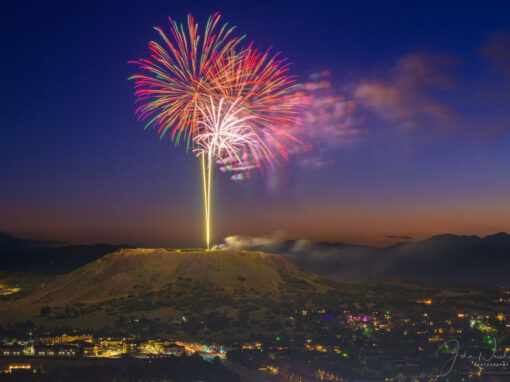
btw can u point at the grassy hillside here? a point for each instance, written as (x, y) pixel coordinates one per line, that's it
(136, 272)
(217, 294)
(167, 286)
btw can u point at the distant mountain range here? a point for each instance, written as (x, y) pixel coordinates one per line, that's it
(445, 259)
(25, 255)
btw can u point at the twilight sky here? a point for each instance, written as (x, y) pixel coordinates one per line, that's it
(415, 140)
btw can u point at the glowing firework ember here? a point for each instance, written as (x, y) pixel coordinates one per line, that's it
(226, 132)
(233, 106)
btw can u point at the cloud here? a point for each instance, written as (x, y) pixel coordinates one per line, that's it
(323, 258)
(400, 237)
(497, 51)
(409, 97)
(331, 122)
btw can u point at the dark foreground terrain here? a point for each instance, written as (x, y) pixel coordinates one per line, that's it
(175, 369)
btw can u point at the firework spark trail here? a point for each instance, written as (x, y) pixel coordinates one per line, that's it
(226, 133)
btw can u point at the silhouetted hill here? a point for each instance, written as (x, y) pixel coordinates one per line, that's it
(10, 243)
(454, 259)
(25, 255)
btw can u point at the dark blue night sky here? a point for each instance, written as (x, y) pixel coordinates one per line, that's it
(429, 142)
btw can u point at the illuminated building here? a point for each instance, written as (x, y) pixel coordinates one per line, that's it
(64, 339)
(67, 351)
(174, 349)
(11, 351)
(15, 368)
(133, 346)
(44, 351)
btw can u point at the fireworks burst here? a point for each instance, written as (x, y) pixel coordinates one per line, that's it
(233, 106)
(265, 90)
